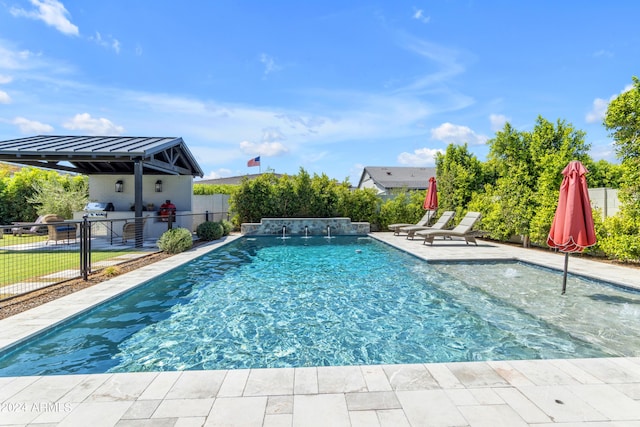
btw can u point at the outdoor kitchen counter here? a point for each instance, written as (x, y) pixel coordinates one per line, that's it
(113, 221)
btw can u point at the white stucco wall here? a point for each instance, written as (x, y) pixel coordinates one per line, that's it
(178, 189)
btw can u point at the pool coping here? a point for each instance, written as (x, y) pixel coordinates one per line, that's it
(391, 394)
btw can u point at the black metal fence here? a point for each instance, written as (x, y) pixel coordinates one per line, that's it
(34, 256)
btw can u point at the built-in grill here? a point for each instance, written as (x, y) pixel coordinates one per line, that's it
(98, 208)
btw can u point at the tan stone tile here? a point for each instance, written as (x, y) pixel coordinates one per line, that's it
(278, 420)
(237, 411)
(160, 386)
(392, 418)
(183, 408)
(364, 419)
(430, 408)
(320, 410)
(443, 376)
(522, 405)
(262, 382)
(560, 404)
(234, 383)
(280, 404)
(196, 385)
(123, 387)
(375, 378)
(372, 401)
(492, 416)
(305, 381)
(340, 379)
(96, 414)
(142, 409)
(476, 374)
(410, 377)
(608, 401)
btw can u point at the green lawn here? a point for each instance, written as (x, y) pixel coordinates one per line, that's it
(17, 266)
(10, 239)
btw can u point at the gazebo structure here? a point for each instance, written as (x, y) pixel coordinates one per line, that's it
(113, 163)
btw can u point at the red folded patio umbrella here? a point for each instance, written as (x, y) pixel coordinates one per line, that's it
(431, 198)
(572, 229)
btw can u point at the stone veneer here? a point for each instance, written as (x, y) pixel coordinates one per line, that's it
(296, 226)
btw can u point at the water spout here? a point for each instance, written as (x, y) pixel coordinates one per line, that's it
(306, 231)
(328, 231)
(284, 231)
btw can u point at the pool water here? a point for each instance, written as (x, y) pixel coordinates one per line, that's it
(273, 302)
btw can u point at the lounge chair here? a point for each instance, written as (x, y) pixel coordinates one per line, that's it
(440, 224)
(58, 229)
(424, 221)
(464, 230)
(23, 227)
(129, 230)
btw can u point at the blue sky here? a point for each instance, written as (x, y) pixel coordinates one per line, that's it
(330, 86)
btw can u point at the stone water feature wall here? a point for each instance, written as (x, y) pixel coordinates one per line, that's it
(314, 227)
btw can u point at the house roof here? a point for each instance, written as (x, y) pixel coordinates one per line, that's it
(102, 155)
(233, 180)
(414, 178)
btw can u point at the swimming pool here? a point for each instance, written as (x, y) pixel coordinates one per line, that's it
(269, 302)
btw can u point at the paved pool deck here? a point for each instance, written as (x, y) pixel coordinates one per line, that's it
(567, 393)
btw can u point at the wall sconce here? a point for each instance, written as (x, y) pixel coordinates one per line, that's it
(119, 186)
(158, 186)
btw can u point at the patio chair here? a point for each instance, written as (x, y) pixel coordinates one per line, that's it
(464, 230)
(129, 230)
(440, 224)
(58, 229)
(424, 221)
(23, 227)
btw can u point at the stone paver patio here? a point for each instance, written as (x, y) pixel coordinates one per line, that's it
(567, 393)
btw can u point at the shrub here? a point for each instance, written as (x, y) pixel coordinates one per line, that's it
(210, 230)
(175, 240)
(227, 227)
(112, 271)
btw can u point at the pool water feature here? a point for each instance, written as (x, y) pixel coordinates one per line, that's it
(269, 302)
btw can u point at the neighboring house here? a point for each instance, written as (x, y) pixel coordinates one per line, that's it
(385, 179)
(232, 180)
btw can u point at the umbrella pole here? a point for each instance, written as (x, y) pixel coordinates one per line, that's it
(564, 277)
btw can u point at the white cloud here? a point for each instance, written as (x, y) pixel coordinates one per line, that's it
(91, 126)
(220, 173)
(498, 121)
(420, 16)
(456, 134)
(4, 97)
(598, 110)
(31, 126)
(5, 79)
(272, 134)
(270, 149)
(599, 107)
(603, 53)
(420, 157)
(269, 64)
(109, 43)
(13, 60)
(52, 13)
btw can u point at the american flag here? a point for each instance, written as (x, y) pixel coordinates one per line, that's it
(254, 162)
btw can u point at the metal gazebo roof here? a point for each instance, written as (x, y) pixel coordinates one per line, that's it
(102, 155)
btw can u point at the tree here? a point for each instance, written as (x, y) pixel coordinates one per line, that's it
(60, 194)
(622, 119)
(526, 171)
(459, 175)
(604, 174)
